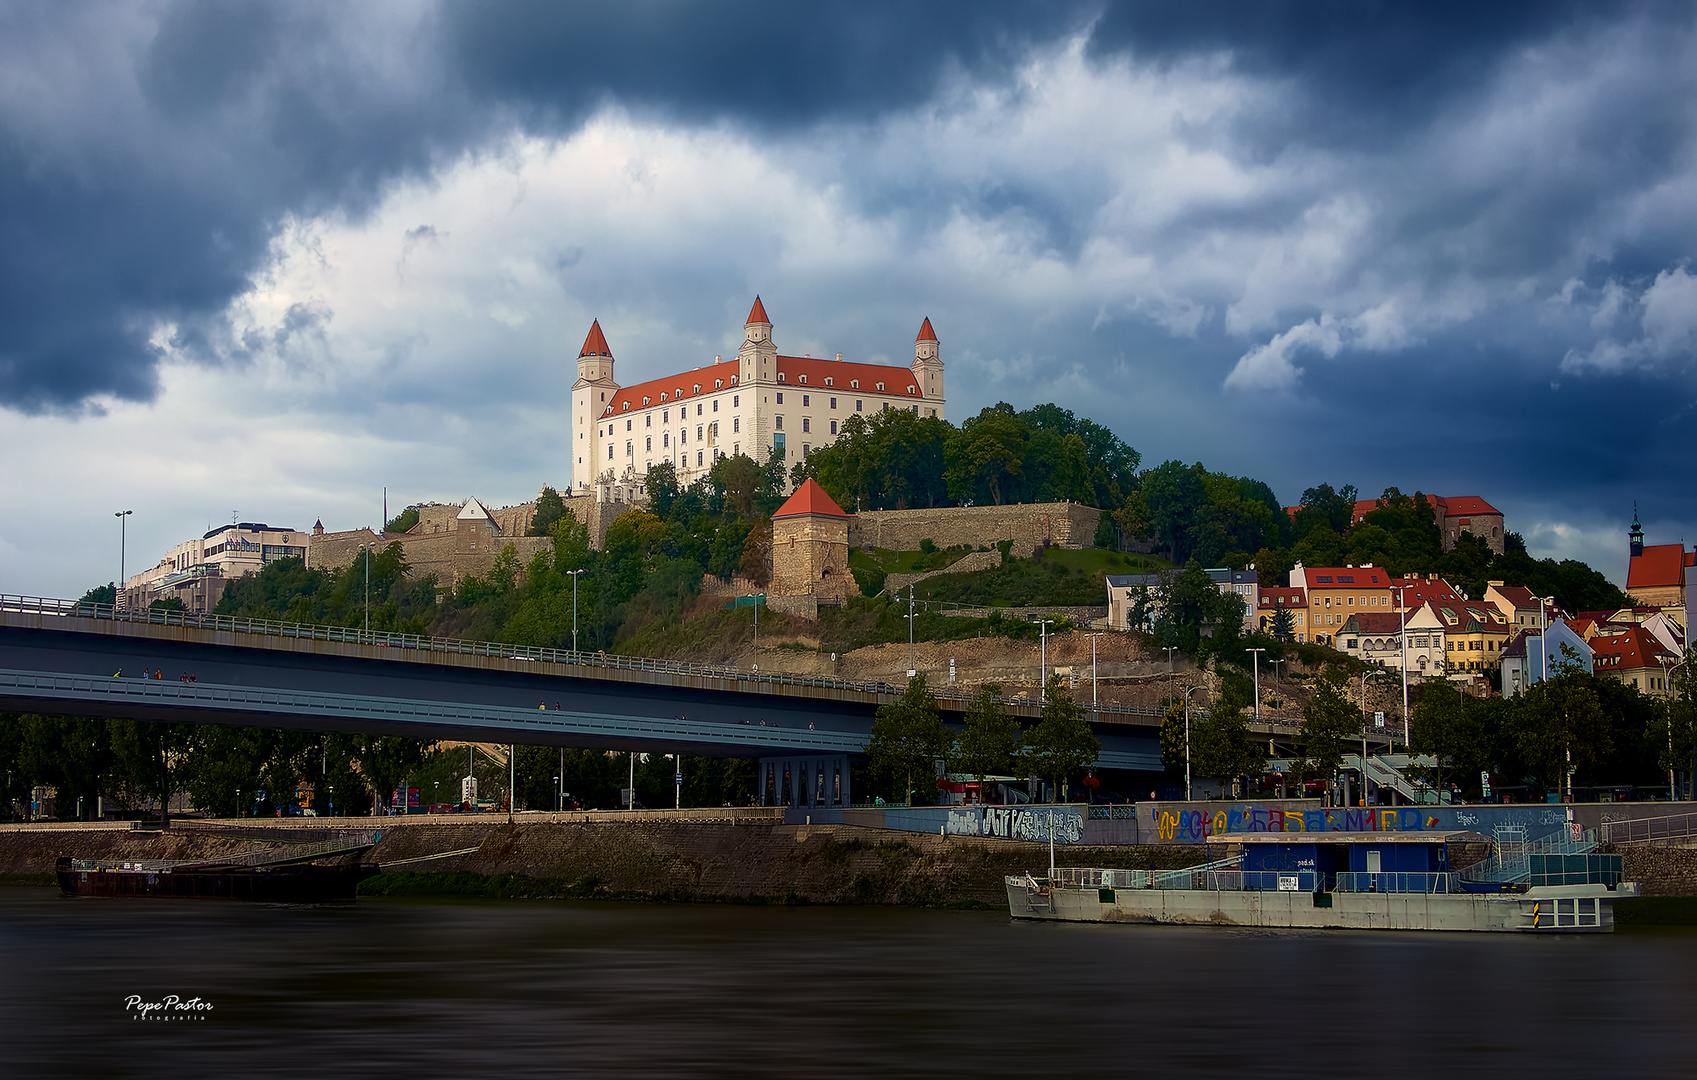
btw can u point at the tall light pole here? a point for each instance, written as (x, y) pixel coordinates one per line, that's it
(1187, 694)
(1402, 636)
(120, 515)
(1170, 649)
(1043, 661)
(574, 574)
(910, 668)
(1095, 699)
(1257, 657)
(367, 549)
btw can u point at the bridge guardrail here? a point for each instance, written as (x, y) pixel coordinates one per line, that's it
(60, 608)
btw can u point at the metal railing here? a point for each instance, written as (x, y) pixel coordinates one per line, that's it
(592, 661)
(1649, 830)
(1397, 882)
(1217, 875)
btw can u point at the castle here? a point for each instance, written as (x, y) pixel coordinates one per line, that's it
(750, 405)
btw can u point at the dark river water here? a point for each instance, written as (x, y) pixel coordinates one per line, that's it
(400, 989)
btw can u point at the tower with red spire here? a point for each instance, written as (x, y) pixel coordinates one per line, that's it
(594, 388)
(928, 363)
(758, 357)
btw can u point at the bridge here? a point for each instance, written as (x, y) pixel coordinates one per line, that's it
(70, 658)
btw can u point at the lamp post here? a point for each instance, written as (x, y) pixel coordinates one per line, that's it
(1095, 698)
(1043, 661)
(120, 515)
(1187, 694)
(562, 778)
(574, 574)
(367, 549)
(332, 789)
(910, 668)
(1402, 636)
(1170, 649)
(1257, 657)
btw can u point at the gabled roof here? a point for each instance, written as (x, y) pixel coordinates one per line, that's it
(757, 313)
(1133, 581)
(1518, 595)
(809, 498)
(475, 511)
(1372, 623)
(925, 332)
(1634, 648)
(1283, 596)
(1417, 591)
(596, 343)
(1661, 565)
(1453, 505)
(898, 381)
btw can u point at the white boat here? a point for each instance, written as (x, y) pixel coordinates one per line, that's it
(1362, 881)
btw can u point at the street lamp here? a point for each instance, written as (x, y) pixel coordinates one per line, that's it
(1402, 636)
(1043, 661)
(1257, 658)
(1187, 694)
(367, 549)
(120, 515)
(1170, 649)
(574, 574)
(910, 668)
(1094, 698)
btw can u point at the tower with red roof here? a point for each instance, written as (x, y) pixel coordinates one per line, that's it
(928, 362)
(810, 547)
(594, 388)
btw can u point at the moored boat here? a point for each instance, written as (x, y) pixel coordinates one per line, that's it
(1377, 881)
(296, 874)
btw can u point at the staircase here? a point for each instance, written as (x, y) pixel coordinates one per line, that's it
(1386, 772)
(1510, 861)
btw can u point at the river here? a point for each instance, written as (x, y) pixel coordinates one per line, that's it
(404, 988)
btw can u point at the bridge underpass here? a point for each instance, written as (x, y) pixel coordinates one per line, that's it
(86, 660)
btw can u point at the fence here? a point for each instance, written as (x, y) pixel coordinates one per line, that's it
(1649, 830)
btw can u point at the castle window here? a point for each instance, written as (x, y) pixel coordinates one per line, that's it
(778, 423)
(829, 381)
(627, 425)
(698, 388)
(857, 406)
(698, 459)
(665, 440)
(627, 405)
(880, 386)
(609, 451)
(780, 376)
(916, 410)
(630, 448)
(648, 421)
(780, 399)
(801, 379)
(736, 401)
(854, 384)
(833, 403)
(806, 423)
(806, 449)
(736, 424)
(665, 416)
(678, 393)
(733, 380)
(648, 443)
(645, 402)
(662, 395)
(833, 427)
(806, 400)
(715, 404)
(718, 384)
(698, 408)
(736, 448)
(912, 389)
(698, 433)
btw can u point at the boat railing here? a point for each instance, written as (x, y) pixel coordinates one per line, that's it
(1220, 874)
(1512, 859)
(1397, 882)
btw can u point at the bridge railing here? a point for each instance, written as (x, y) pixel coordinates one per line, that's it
(60, 608)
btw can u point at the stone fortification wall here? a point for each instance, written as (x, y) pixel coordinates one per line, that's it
(427, 553)
(1029, 525)
(978, 560)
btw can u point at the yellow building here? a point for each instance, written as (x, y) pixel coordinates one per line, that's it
(1475, 635)
(1336, 593)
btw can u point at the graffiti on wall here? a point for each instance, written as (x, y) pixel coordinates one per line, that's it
(1192, 824)
(1016, 823)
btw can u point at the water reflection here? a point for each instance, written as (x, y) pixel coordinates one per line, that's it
(521, 989)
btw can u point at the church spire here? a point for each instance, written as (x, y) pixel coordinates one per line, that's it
(1636, 536)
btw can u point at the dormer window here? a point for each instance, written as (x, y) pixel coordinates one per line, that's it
(880, 386)
(645, 401)
(912, 389)
(801, 379)
(780, 376)
(733, 380)
(662, 395)
(718, 384)
(678, 393)
(627, 405)
(854, 384)
(828, 380)
(698, 388)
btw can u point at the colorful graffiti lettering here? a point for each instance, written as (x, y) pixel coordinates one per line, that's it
(1190, 824)
(1011, 823)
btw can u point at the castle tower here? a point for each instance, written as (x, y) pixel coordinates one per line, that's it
(810, 547)
(928, 363)
(1636, 537)
(758, 357)
(591, 392)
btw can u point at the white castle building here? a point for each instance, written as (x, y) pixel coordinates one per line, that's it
(748, 405)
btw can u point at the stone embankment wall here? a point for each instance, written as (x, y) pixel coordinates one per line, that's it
(672, 860)
(1029, 525)
(1661, 870)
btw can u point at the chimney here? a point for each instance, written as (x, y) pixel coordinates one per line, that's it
(839, 358)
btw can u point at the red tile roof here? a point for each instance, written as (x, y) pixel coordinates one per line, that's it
(1370, 623)
(800, 373)
(1466, 504)
(757, 313)
(596, 343)
(1635, 648)
(1277, 596)
(809, 498)
(674, 388)
(1362, 577)
(1417, 591)
(1518, 595)
(925, 332)
(1660, 566)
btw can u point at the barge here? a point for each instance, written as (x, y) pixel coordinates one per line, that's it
(1365, 881)
(298, 874)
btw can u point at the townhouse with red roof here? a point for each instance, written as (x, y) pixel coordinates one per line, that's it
(1656, 574)
(751, 404)
(1634, 657)
(1454, 514)
(1337, 592)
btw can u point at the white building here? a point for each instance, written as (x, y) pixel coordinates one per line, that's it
(195, 571)
(746, 405)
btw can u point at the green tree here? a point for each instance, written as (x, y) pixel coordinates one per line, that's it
(992, 739)
(1331, 723)
(101, 594)
(986, 452)
(908, 737)
(1283, 624)
(1560, 725)
(1173, 738)
(1444, 725)
(150, 759)
(736, 481)
(403, 521)
(384, 761)
(662, 487)
(550, 509)
(1220, 745)
(72, 754)
(1061, 743)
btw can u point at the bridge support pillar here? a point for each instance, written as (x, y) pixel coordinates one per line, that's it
(804, 781)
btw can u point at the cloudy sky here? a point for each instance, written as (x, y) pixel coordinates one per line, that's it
(267, 259)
